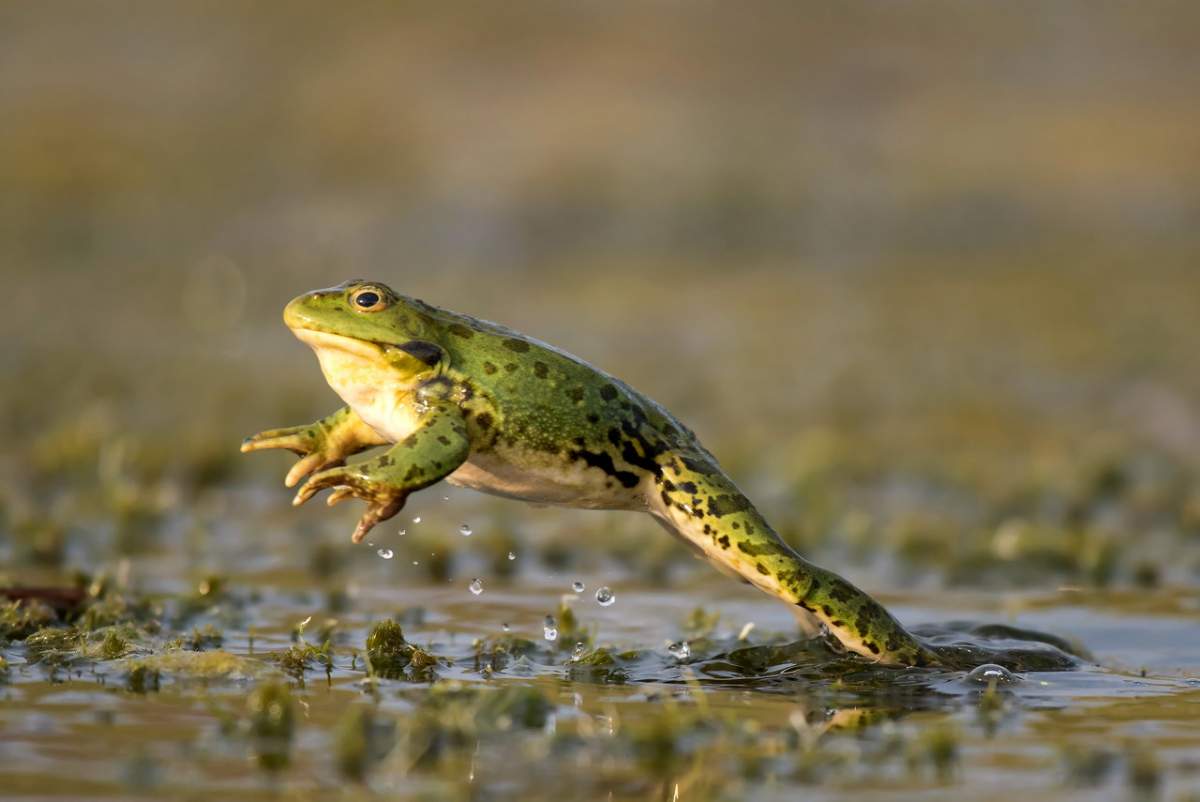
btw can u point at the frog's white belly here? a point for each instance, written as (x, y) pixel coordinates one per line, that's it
(542, 480)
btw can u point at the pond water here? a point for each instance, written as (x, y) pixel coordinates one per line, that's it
(645, 697)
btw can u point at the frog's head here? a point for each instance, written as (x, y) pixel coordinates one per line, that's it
(365, 334)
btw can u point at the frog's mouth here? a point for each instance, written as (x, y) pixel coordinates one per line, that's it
(351, 346)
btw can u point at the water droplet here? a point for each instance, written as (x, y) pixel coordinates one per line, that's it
(512, 555)
(680, 650)
(402, 532)
(989, 673)
(605, 596)
(550, 628)
(386, 554)
(417, 520)
(465, 530)
(506, 627)
(445, 498)
(577, 586)
(476, 586)
(416, 562)
(578, 651)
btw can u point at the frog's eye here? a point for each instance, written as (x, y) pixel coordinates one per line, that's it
(367, 299)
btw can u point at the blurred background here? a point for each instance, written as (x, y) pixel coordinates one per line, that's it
(928, 266)
(924, 275)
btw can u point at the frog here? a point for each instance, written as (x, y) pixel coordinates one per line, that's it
(454, 398)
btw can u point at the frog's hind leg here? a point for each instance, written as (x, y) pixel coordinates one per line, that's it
(700, 504)
(809, 624)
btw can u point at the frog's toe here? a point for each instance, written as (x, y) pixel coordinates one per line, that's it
(339, 495)
(308, 464)
(277, 438)
(377, 511)
(333, 477)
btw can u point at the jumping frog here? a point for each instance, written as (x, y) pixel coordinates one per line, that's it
(481, 406)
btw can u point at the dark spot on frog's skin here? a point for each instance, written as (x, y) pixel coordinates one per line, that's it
(513, 344)
(608, 392)
(415, 472)
(605, 463)
(576, 395)
(644, 460)
(758, 549)
(593, 417)
(579, 441)
(384, 461)
(426, 319)
(871, 646)
(614, 436)
(688, 487)
(511, 367)
(541, 370)
(666, 499)
(483, 420)
(724, 541)
(737, 525)
(839, 591)
(459, 330)
(667, 485)
(428, 353)
(749, 528)
(837, 622)
(443, 439)
(825, 608)
(489, 368)
(700, 466)
(761, 569)
(727, 504)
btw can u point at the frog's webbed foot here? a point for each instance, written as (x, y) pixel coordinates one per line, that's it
(358, 481)
(323, 444)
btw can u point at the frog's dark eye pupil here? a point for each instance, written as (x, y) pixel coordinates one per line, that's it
(366, 299)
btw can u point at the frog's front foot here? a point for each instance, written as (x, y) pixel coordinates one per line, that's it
(356, 481)
(309, 442)
(322, 444)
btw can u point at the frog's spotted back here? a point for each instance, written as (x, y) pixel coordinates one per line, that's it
(482, 406)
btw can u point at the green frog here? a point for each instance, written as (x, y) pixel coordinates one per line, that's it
(481, 406)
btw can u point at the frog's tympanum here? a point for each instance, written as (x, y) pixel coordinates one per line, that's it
(481, 406)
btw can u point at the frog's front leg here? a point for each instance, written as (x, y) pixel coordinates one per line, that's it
(321, 444)
(434, 450)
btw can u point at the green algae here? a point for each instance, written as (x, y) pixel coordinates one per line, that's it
(208, 665)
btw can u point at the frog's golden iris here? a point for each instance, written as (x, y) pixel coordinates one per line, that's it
(484, 407)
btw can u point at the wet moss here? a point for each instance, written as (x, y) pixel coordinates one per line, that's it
(20, 619)
(53, 646)
(299, 658)
(390, 656)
